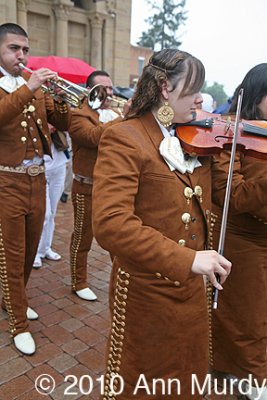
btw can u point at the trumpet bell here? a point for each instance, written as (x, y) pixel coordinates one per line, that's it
(97, 96)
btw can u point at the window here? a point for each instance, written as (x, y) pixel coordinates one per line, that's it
(141, 62)
(78, 3)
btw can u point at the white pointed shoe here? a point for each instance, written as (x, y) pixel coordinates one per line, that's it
(37, 262)
(52, 255)
(31, 314)
(24, 343)
(86, 294)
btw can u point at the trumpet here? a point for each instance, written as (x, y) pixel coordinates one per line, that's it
(73, 93)
(115, 102)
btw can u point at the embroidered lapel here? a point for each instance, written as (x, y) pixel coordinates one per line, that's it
(152, 129)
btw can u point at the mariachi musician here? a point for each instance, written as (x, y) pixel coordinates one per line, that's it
(24, 139)
(151, 210)
(240, 323)
(85, 131)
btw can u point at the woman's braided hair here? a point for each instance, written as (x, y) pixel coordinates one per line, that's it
(165, 65)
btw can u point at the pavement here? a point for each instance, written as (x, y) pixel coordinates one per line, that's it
(70, 333)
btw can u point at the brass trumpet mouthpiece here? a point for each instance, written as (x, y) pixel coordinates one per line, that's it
(22, 66)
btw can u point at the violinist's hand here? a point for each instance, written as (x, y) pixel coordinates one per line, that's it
(39, 77)
(211, 263)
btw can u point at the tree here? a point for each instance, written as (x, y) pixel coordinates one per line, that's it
(164, 25)
(216, 91)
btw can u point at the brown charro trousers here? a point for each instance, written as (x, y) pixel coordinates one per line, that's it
(23, 134)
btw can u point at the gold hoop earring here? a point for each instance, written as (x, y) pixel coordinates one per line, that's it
(165, 115)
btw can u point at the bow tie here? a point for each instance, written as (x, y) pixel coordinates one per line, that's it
(171, 150)
(11, 83)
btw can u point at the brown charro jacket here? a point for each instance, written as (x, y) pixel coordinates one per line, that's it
(153, 200)
(24, 130)
(85, 132)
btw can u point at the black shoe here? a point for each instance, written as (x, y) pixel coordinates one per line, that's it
(64, 197)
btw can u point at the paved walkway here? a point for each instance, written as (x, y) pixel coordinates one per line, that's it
(70, 333)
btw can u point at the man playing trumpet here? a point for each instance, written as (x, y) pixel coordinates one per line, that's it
(85, 132)
(24, 139)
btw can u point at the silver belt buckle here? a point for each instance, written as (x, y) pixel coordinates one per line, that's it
(34, 170)
(84, 179)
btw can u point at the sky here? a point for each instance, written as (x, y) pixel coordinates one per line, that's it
(228, 36)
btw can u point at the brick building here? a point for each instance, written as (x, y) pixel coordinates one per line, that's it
(139, 58)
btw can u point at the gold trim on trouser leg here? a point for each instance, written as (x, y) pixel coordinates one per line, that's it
(209, 289)
(77, 237)
(5, 286)
(117, 334)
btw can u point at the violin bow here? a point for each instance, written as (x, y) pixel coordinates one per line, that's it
(228, 192)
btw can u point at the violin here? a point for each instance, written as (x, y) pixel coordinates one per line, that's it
(210, 134)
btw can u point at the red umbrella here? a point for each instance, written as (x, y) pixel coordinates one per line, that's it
(72, 69)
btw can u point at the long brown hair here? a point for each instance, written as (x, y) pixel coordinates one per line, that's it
(171, 65)
(255, 88)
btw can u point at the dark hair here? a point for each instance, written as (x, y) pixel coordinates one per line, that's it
(90, 80)
(11, 28)
(171, 65)
(255, 88)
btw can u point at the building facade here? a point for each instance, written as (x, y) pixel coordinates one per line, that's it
(97, 31)
(139, 58)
